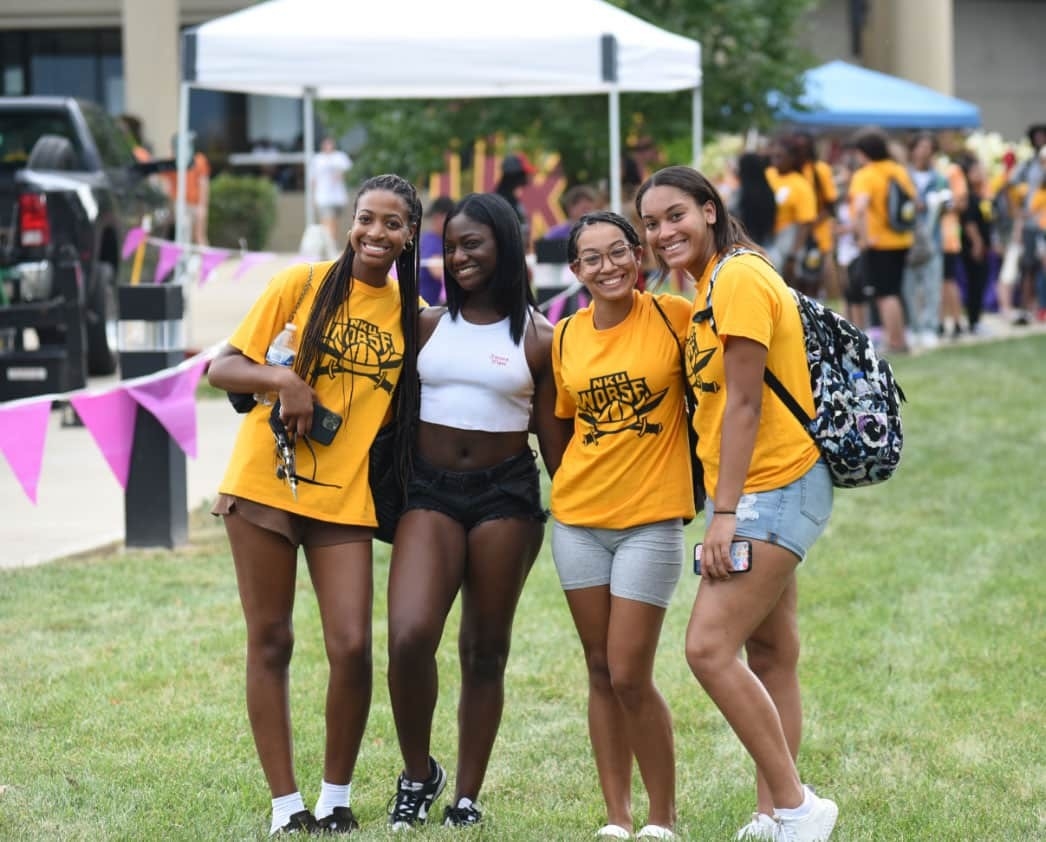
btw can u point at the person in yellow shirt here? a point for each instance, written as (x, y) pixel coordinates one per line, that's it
(951, 246)
(796, 213)
(766, 485)
(357, 351)
(884, 249)
(619, 498)
(822, 180)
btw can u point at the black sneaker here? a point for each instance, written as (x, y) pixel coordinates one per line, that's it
(412, 801)
(301, 822)
(340, 821)
(462, 816)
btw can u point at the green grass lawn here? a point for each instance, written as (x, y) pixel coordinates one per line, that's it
(121, 676)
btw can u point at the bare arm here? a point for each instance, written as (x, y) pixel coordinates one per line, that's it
(860, 221)
(553, 433)
(744, 361)
(234, 372)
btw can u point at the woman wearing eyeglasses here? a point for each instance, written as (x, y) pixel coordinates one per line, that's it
(619, 499)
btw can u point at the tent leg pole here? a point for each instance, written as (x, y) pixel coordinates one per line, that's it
(181, 154)
(615, 149)
(698, 127)
(309, 144)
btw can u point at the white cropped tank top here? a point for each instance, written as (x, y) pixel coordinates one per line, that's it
(474, 377)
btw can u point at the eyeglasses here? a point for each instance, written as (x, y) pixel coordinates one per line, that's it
(620, 255)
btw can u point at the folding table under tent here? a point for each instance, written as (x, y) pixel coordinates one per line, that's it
(420, 49)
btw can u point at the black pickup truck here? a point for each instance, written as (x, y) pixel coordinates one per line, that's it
(70, 189)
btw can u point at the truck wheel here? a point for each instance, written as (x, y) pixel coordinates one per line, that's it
(52, 152)
(101, 322)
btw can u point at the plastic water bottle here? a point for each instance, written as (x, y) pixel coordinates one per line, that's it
(281, 351)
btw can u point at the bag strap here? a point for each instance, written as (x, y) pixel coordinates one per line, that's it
(301, 298)
(562, 334)
(672, 330)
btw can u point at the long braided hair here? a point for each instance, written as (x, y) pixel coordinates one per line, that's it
(333, 293)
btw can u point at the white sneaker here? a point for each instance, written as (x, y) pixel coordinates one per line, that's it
(613, 831)
(929, 340)
(762, 827)
(814, 826)
(655, 831)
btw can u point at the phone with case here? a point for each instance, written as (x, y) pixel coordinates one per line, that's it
(740, 557)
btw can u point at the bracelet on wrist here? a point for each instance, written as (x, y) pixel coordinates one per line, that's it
(725, 512)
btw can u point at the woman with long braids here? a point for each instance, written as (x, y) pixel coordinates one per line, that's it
(358, 351)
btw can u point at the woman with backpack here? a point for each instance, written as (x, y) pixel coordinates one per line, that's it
(883, 228)
(767, 490)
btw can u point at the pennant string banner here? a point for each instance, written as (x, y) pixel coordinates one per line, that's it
(109, 415)
(23, 431)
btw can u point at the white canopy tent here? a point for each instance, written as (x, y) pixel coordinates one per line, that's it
(421, 49)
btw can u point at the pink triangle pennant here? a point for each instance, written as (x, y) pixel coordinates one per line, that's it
(168, 259)
(250, 260)
(209, 260)
(23, 431)
(132, 241)
(172, 401)
(109, 417)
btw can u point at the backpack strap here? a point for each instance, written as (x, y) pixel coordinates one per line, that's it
(672, 330)
(776, 386)
(706, 315)
(562, 334)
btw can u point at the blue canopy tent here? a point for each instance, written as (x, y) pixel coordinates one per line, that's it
(839, 94)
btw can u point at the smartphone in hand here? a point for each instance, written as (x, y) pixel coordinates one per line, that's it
(740, 557)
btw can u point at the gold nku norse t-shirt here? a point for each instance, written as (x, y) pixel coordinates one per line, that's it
(627, 462)
(356, 374)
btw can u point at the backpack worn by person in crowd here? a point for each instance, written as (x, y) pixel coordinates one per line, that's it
(857, 401)
(386, 485)
(901, 212)
(697, 473)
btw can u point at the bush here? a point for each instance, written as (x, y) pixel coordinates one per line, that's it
(241, 207)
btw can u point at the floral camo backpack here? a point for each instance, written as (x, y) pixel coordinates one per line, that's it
(857, 400)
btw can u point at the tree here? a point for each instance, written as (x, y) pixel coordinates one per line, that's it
(748, 50)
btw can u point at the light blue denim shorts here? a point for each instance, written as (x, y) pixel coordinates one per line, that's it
(792, 517)
(642, 563)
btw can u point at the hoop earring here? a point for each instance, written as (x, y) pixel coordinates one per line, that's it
(407, 246)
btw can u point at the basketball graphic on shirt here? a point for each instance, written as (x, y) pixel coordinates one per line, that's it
(362, 349)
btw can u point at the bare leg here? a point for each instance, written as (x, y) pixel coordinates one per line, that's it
(773, 655)
(725, 615)
(590, 608)
(632, 644)
(892, 314)
(265, 573)
(343, 580)
(428, 559)
(500, 555)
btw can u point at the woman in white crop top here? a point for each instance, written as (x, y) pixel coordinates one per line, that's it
(474, 520)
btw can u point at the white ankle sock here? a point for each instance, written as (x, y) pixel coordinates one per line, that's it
(801, 810)
(331, 796)
(283, 808)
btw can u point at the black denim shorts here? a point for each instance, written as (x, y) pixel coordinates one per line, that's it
(509, 489)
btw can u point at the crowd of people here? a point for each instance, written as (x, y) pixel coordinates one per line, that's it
(974, 237)
(431, 326)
